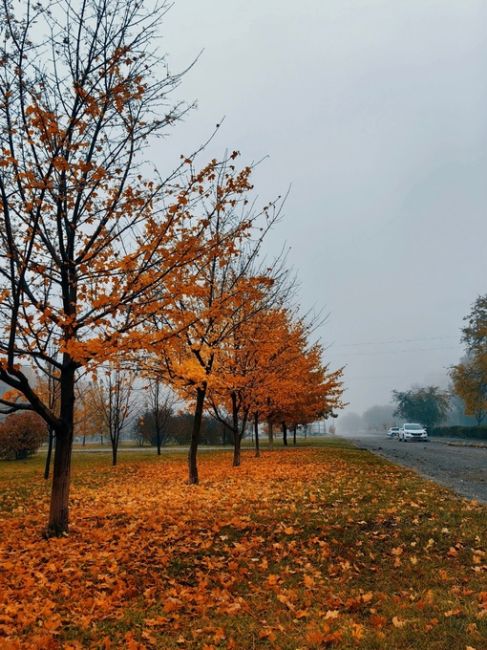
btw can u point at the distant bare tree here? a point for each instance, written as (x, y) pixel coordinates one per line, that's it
(161, 401)
(379, 417)
(113, 394)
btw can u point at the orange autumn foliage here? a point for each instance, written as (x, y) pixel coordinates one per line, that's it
(269, 371)
(224, 289)
(276, 373)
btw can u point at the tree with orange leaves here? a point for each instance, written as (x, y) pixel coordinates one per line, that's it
(313, 392)
(273, 374)
(231, 394)
(225, 287)
(90, 249)
(307, 389)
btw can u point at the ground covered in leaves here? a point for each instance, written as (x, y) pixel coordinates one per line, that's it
(302, 548)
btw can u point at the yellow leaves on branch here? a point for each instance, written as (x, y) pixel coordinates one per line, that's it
(189, 371)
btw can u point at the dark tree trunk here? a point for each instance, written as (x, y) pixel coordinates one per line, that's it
(256, 431)
(236, 450)
(158, 441)
(84, 440)
(284, 434)
(114, 442)
(294, 436)
(236, 433)
(239, 437)
(47, 466)
(195, 436)
(59, 509)
(270, 426)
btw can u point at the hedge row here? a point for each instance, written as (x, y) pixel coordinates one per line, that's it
(476, 433)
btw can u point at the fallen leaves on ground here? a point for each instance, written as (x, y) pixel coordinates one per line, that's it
(302, 548)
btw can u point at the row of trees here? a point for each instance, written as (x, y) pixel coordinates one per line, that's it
(108, 267)
(428, 405)
(465, 403)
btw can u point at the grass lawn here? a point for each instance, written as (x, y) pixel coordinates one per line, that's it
(313, 547)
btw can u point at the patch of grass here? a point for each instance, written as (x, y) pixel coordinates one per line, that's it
(309, 547)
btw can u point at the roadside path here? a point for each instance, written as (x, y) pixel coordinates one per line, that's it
(146, 450)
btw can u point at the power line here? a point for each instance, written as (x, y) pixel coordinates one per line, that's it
(369, 378)
(392, 341)
(407, 350)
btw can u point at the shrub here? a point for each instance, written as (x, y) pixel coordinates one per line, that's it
(476, 433)
(21, 434)
(177, 428)
(180, 427)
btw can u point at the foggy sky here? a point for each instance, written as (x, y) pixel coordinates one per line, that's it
(376, 113)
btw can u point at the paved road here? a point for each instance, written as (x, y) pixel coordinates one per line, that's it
(461, 468)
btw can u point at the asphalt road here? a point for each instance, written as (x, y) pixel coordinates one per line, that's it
(461, 468)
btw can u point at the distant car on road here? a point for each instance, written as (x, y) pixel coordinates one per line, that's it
(412, 431)
(393, 432)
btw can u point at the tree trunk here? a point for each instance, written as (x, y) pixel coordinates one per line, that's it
(114, 442)
(294, 436)
(195, 436)
(61, 475)
(158, 441)
(270, 426)
(49, 453)
(84, 440)
(236, 450)
(236, 433)
(284, 434)
(256, 430)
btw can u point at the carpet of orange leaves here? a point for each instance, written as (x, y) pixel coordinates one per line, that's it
(303, 548)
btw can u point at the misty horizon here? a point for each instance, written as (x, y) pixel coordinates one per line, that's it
(382, 138)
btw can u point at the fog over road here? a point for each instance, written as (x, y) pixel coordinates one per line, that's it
(458, 466)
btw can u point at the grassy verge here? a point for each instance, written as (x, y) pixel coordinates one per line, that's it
(303, 548)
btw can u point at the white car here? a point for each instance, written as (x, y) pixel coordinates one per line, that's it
(412, 431)
(393, 432)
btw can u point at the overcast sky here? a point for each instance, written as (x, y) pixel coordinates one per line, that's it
(376, 113)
